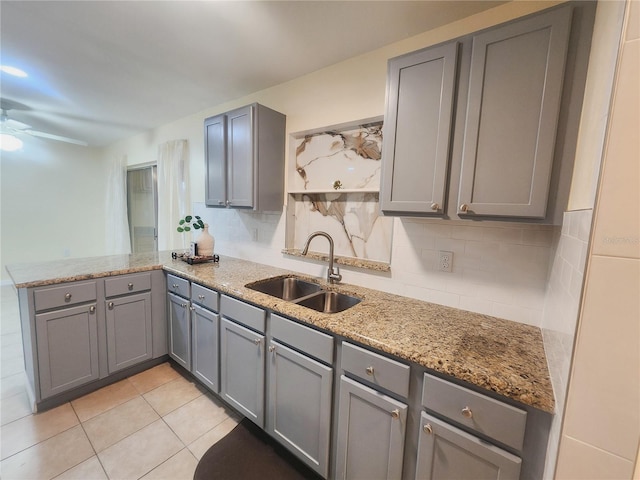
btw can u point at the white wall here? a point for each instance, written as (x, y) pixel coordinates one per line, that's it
(499, 269)
(52, 202)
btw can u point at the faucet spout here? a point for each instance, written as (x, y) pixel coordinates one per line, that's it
(333, 274)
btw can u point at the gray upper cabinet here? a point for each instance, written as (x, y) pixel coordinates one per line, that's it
(244, 159)
(417, 130)
(485, 126)
(515, 91)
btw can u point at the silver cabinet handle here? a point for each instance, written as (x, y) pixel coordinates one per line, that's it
(67, 296)
(427, 428)
(227, 203)
(369, 370)
(257, 341)
(201, 297)
(110, 305)
(464, 208)
(435, 206)
(395, 413)
(92, 309)
(175, 285)
(184, 305)
(466, 412)
(130, 285)
(192, 308)
(272, 348)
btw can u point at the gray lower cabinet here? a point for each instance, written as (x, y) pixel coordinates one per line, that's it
(179, 330)
(204, 346)
(371, 432)
(242, 362)
(299, 405)
(129, 331)
(67, 347)
(448, 453)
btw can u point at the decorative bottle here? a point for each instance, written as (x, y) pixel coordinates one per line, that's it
(205, 242)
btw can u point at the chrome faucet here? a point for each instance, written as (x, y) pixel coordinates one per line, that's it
(333, 275)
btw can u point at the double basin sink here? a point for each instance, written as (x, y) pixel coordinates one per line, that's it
(307, 294)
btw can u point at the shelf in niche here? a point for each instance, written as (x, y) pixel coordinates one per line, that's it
(348, 153)
(342, 190)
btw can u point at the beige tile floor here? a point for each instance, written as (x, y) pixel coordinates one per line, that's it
(154, 425)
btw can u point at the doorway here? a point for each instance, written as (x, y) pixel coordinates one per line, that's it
(142, 208)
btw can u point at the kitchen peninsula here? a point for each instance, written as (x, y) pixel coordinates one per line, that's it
(499, 360)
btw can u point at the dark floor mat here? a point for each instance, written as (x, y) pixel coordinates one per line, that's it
(248, 453)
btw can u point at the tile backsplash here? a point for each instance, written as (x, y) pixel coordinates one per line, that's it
(498, 269)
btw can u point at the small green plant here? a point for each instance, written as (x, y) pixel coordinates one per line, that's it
(185, 224)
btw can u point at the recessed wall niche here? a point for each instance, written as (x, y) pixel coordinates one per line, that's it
(333, 186)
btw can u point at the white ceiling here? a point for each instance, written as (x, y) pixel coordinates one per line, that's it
(100, 71)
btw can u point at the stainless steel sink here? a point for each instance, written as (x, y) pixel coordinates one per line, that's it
(287, 288)
(329, 302)
(305, 293)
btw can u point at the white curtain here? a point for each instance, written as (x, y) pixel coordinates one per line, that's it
(117, 232)
(174, 194)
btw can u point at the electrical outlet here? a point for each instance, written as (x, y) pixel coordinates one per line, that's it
(445, 261)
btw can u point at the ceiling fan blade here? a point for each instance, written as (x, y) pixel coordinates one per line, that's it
(51, 136)
(15, 124)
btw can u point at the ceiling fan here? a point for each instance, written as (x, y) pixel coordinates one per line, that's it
(11, 130)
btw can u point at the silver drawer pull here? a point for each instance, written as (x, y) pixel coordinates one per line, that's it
(201, 297)
(272, 348)
(435, 207)
(67, 296)
(427, 428)
(466, 412)
(130, 285)
(257, 341)
(110, 305)
(464, 208)
(175, 285)
(369, 370)
(192, 308)
(92, 309)
(184, 305)
(395, 413)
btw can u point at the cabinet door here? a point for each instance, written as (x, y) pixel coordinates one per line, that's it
(515, 89)
(67, 348)
(129, 335)
(299, 405)
(204, 341)
(179, 330)
(215, 161)
(242, 369)
(417, 130)
(371, 430)
(240, 157)
(447, 453)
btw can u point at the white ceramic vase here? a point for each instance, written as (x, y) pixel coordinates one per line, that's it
(205, 242)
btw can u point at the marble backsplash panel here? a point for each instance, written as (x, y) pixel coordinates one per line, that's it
(339, 159)
(351, 219)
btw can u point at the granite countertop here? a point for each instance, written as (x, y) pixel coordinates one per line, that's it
(498, 355)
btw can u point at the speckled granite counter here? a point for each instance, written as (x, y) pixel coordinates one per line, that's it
(499, 355)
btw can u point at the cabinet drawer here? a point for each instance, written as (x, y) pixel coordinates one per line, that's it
(316, 344)
(62, 296)
(139, 282)
(374, 368)
(485, 415)
(178, 285)
(206, 297)
(252, 317)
